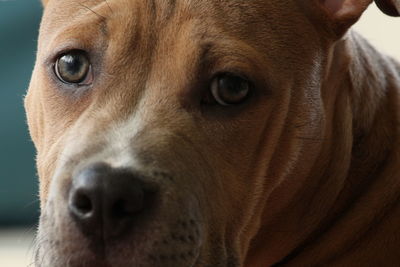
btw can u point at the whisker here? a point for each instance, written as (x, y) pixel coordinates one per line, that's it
(112, 11)
(31, 203)
(88, 8)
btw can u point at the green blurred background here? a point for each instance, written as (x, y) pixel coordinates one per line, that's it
(19, 23)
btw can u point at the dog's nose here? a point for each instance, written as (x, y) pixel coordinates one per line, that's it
(106, 201)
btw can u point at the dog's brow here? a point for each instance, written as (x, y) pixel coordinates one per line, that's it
(205, 53)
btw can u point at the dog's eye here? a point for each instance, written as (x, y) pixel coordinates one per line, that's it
(229, 89)
(73, 67)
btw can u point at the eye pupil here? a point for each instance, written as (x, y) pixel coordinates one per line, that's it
(230, 89)
(72, 67)
(72, 63)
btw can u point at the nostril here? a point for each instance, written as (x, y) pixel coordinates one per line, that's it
(83, 203)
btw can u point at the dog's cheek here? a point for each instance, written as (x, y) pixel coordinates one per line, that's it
(36, 118)
(33, 108)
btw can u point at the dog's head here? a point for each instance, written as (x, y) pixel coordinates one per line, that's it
(163, 126)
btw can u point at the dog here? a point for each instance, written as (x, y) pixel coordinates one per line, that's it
(214, 133)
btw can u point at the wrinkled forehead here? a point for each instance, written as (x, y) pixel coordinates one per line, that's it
(231, 9)
(249, 19)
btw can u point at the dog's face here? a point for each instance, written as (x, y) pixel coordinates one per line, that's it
(206, 105)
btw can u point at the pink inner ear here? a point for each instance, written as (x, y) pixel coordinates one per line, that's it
(346, 8)
(333, 6)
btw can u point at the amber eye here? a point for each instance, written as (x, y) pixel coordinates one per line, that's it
(73, 67)
(229, 89)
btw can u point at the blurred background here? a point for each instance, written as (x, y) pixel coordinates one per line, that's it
(19, 22)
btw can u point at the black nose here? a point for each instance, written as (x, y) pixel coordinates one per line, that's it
(105, 201)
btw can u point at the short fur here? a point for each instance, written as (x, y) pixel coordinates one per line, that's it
(305, 173)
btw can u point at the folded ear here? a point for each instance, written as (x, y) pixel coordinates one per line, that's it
(389, 7)
(342, 14)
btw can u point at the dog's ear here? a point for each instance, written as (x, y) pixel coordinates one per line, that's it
(44, 2)
(342, 14)
(389, 7)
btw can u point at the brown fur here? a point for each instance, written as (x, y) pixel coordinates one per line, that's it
(306, 173)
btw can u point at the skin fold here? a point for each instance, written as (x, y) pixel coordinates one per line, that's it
(305, 172)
